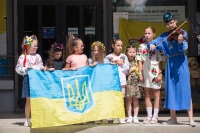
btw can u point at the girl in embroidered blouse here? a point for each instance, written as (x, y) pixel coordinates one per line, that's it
(150, 75)
(56, 60)
(28, 60)
(74, 53)
(121, 60)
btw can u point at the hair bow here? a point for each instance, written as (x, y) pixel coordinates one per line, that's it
(58, 46)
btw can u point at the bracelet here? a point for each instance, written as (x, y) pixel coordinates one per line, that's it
(139, 73)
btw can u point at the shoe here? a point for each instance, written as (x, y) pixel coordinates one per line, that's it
(27, 124)
(115, 121)
(154, 120)
(192, 123)
(170, 122)
(136, 120)
(105, 121)
(122, 121)
(129, 119)
(147, 120)
(98, 122)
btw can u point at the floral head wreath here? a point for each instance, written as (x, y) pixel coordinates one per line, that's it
(58, 47)
(29, 40)
(27, 43)
(100, 43)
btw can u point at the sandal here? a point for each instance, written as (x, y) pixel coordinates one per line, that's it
(154, 120)
(147, 120)
(105, 121)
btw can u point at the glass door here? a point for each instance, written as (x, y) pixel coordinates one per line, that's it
(80, 18)
(53, 20)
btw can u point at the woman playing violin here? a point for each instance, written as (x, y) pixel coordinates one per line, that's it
(174, 43)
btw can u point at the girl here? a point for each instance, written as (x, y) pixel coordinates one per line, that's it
(75, 58)
(98, 57)
(116, 57)
(29, 59)
(98, 54)
(150, 75)
(177, 75)
(56, 57)
(132, 89)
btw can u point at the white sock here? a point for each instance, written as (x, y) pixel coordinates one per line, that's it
(149, 111)
(155, 112)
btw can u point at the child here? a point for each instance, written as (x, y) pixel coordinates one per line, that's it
(56, 57)
(150, 75)
(98, 57)
(75, 58)
(98, 54)
(116, 57)
(177, 75)
(29, 59)
(132, 89)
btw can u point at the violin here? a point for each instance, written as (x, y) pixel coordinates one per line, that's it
(174, 35)
(173, 32)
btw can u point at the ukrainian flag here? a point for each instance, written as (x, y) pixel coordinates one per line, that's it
(69, 97)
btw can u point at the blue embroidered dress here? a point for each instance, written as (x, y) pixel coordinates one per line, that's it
(177, 76)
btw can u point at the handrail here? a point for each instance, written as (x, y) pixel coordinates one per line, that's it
(7, 56)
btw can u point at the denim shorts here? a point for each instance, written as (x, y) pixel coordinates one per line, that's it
(25, 87)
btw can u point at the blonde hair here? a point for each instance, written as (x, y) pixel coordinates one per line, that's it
(101, 51)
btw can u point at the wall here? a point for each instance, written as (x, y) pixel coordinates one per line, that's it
(6, 86)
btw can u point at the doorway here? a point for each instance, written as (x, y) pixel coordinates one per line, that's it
(52, 20)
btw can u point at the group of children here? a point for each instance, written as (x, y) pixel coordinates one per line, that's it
(138, 69)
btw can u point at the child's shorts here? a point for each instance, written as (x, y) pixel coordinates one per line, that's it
(25, 87)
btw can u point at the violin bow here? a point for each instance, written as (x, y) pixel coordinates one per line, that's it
(172, 32)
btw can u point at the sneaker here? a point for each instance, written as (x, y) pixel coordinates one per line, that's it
(98, 122)
(192, 123)
(129, 119)
(115, 121)
(122, 121)
(27, 124)
(154, 120)
(170, 122)
(147, 120)
(136, 120)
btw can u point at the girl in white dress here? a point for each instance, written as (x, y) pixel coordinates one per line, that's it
(121, 60)
(150, 75)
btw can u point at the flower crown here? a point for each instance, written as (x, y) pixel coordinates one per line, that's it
(100, 43)
(29, 40)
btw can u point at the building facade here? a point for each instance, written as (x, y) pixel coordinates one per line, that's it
(53, 20)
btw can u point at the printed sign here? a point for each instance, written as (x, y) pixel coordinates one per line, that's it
(153, 13)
